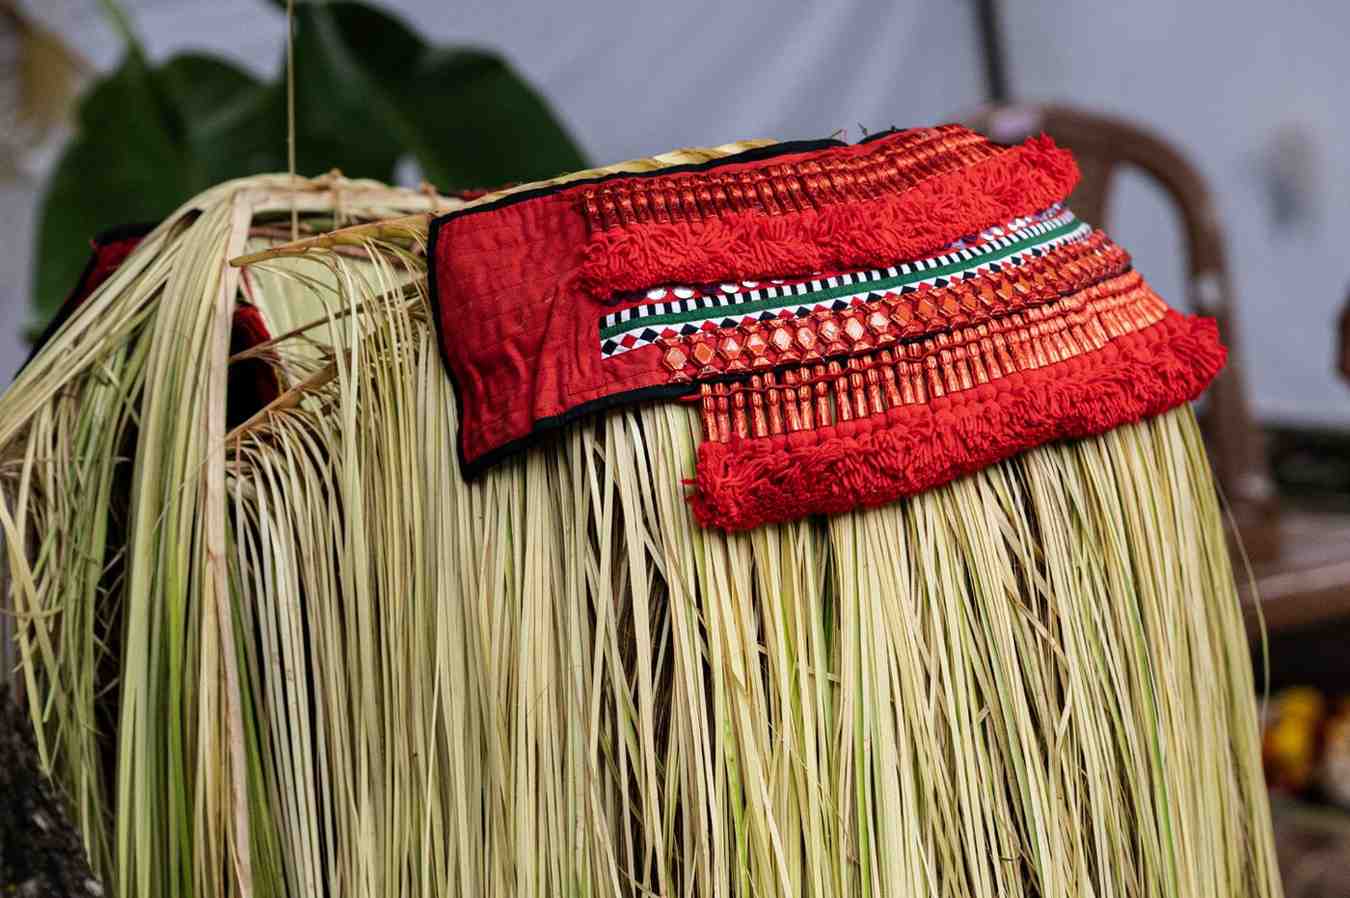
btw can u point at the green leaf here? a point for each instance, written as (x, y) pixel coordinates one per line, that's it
(112, 174)
(147, 139)
(499, 129)
(235, 125)
(343, 116)
(369, 91)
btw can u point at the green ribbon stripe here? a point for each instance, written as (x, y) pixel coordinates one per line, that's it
(819, 296)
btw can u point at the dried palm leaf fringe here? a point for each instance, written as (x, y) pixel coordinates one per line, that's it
(342, 670)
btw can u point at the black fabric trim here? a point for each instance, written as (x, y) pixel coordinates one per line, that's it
(434, 300)
(889, 132)
(125, 232)
(132, 231)
(546, 428)
(754, 154)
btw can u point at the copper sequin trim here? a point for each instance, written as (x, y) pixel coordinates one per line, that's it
(816, 395)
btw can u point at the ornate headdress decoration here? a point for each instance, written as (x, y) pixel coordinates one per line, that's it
(858, 322)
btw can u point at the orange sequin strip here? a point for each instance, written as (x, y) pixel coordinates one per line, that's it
(818, 395)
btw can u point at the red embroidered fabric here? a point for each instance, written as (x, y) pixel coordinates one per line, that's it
(951, 315)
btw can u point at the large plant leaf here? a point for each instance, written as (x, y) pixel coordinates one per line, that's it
(135, 158)
(369, 91)
(466, 116)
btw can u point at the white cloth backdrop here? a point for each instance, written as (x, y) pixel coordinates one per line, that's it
(636, 78)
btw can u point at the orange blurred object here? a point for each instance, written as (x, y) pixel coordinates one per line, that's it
(1289, 745)
(1334, 769)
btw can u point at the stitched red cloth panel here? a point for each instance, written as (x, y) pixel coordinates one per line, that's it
(837, 311)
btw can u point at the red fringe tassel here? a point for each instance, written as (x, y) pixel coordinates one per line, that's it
(871, 461)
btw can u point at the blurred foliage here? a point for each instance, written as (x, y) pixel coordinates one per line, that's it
(368, 91)
(42, 77)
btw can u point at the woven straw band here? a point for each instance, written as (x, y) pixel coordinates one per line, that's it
(858, 322)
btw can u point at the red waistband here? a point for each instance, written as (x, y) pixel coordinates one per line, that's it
(520, 285)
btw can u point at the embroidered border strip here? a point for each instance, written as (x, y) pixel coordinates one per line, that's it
(865, 324)
(828, 393)
(690, 309)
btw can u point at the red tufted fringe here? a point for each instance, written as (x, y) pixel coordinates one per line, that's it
(907, 225)
(873, 461)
